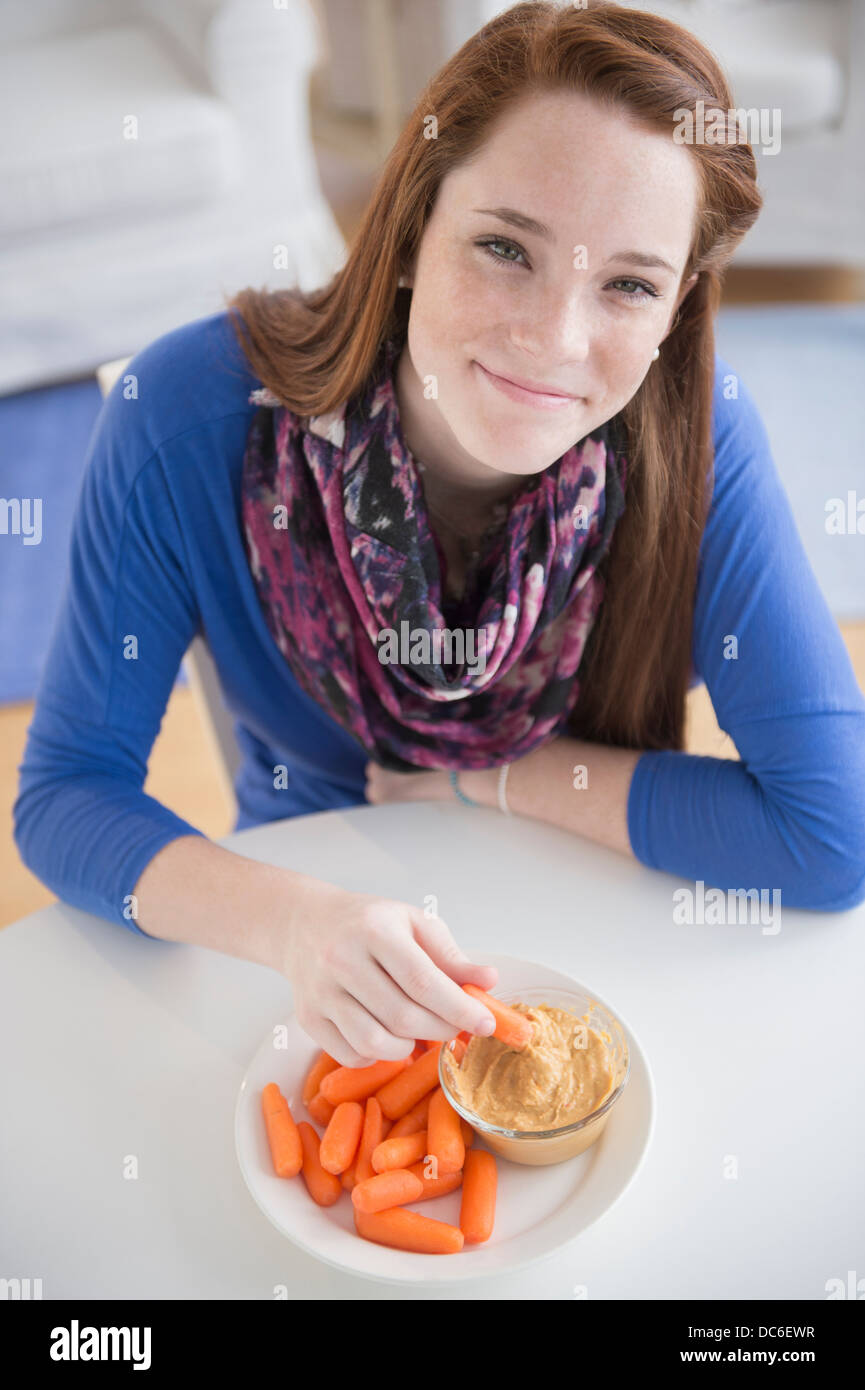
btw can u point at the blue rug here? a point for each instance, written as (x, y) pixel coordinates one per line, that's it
(803, 364)
(44, 436)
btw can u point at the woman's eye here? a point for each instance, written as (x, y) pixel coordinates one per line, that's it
(498, 241)
(645, 291)
(641, 291)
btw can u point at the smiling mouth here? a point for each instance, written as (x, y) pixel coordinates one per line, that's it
(544, 400)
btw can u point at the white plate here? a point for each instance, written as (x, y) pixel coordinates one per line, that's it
(538, 1209)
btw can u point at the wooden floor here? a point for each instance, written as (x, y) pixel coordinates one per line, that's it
(181, 772)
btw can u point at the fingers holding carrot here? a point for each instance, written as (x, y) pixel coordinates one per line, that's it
(370, 975)
(435, 937)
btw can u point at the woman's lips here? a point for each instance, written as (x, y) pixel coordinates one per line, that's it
(543, 400)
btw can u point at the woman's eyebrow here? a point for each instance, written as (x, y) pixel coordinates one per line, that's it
(642, 258)
(529, 224)
(517, 219)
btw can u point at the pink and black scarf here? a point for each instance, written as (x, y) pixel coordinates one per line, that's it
(342, 553)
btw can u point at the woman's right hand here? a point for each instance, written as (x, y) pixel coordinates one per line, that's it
(370, 975)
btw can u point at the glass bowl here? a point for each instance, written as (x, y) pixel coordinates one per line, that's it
(541, 1146)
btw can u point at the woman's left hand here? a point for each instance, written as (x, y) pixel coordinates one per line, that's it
(383, 785)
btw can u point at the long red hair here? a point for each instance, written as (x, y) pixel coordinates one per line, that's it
(315, 349)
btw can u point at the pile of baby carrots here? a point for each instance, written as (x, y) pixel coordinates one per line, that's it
(392, 1137)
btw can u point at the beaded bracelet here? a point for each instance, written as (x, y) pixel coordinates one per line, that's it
(502, 792)
(466, 800)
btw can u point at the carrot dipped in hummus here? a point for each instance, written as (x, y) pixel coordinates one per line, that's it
(513, 1029)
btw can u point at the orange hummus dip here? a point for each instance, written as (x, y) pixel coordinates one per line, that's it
(560, 1077)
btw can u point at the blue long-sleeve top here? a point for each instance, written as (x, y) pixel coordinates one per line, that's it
(157, 555)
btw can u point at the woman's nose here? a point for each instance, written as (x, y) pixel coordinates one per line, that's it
(556, 331)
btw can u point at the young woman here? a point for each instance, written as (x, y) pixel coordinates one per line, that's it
(504, 416)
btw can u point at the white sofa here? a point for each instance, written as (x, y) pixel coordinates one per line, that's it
(155, 156)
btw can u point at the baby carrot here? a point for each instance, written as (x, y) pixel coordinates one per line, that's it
(321, 1110)
(371, 1136)
(323, 1187)
(412, 1121)
(398, 1096)
(272, 1099)
(421, 1110)
(435, 1187)
(399, 1152)
(478, 1206)
(356, 1083)
(385, 1190)
(444, 1136)
(513, 1029)
(467, 1133)
(408, 1230)
(419, 1050)
(408, 1124)
(342, 1136)
(317, 1072)
(286, 1149)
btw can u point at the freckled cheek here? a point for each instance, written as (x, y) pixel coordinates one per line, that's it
(461, 290)
(625, 358)
(461, 320)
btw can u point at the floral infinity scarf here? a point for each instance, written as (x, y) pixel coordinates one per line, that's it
(349, 576)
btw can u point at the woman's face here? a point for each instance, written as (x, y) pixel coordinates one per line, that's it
(579, 308)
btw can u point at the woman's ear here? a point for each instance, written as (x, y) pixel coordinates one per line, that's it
(406, 279)
(686, 288)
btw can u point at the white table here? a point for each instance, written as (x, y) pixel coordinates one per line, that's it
(113, 1045)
